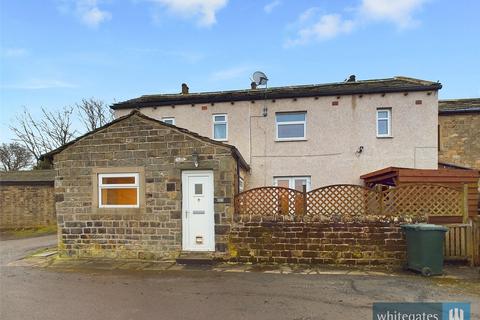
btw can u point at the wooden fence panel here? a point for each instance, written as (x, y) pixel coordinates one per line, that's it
(269, 201)
(344, 201)
(414, 200)
(423, 200)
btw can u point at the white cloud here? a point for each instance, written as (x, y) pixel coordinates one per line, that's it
(329, 26)
(36, 84)
(93, 16)
(308, 14)
(231, 73)
(312, 26)
(203, 10)
(88, 11)
(15, 52)
(400, 12)
(268, 8)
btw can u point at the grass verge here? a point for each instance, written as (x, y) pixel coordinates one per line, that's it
(27, 232)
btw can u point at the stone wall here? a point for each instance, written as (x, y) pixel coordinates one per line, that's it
(26, 205)
(366, 243)
(153, 231)
(459, 139)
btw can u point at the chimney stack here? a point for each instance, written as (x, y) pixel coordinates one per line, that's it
(253, 85)
(184, 88)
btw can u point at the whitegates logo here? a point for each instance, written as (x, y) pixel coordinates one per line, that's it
(455, 314)
(456, 311)
(421, 311)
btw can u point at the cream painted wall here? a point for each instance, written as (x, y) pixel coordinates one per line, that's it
(334, 133)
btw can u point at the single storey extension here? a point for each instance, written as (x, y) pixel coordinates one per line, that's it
(120, 191)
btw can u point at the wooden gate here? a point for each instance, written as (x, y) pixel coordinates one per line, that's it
(458, 244)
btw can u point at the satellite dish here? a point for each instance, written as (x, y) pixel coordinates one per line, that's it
(260, 78)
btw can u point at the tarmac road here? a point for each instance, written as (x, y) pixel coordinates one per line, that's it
(30, 293)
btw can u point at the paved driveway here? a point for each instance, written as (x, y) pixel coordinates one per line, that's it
(29, 293)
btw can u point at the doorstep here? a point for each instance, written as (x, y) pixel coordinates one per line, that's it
(196, 258)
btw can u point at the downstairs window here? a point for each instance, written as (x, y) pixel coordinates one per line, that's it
(118, 190)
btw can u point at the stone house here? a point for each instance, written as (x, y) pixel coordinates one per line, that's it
(459, 132)
(313, 135)
(141, 188)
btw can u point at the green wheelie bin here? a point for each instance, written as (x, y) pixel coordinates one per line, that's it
(425, 247)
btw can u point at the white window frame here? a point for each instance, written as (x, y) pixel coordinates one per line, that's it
(214, 122)
(291, 181)
(102, 186)
(389, 122)
(277, 124)
(164, 119)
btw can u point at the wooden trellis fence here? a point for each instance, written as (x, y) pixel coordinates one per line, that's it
(418, 200)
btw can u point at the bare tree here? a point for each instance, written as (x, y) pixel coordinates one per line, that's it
(94, 113)
(45, 134)
(14, 156)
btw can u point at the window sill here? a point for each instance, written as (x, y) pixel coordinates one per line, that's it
(290, 140)
(221, 140)
(384, 137)
(118, 210)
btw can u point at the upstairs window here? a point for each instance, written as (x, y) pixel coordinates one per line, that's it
(118, 190)
(169, 120)
(220, 127)
(384, 123)
(291, 126)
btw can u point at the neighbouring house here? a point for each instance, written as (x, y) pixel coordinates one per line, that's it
(121, 189)
(459, 133)
(27, 199)
(313, 135)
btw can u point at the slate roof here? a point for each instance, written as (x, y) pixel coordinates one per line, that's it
(235, 152)
(396, 84)
(455, 106)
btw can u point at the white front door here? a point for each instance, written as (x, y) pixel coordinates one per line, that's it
(198, 222)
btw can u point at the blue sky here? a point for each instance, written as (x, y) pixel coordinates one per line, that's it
(56, 52)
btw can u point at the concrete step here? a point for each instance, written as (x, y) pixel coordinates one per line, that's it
(195, 258)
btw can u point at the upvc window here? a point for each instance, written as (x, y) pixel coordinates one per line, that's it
(169, 120)
(296, 183)
(384, 123)
(291, 126)
(220, 127)
(118, 190)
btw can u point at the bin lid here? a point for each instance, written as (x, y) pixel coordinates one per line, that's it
(424, 226)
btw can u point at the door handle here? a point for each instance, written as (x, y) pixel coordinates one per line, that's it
(186, 213)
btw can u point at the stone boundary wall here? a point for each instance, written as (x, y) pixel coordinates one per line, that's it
(27, 206)
(360, 243)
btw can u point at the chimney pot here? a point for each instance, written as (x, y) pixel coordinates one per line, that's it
(253, 85)
(184, 88)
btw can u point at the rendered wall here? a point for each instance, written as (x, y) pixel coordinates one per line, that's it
(334, 133)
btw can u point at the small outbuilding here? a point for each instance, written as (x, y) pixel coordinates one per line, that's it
(27, 200)
(457, 178)
(141, 188)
